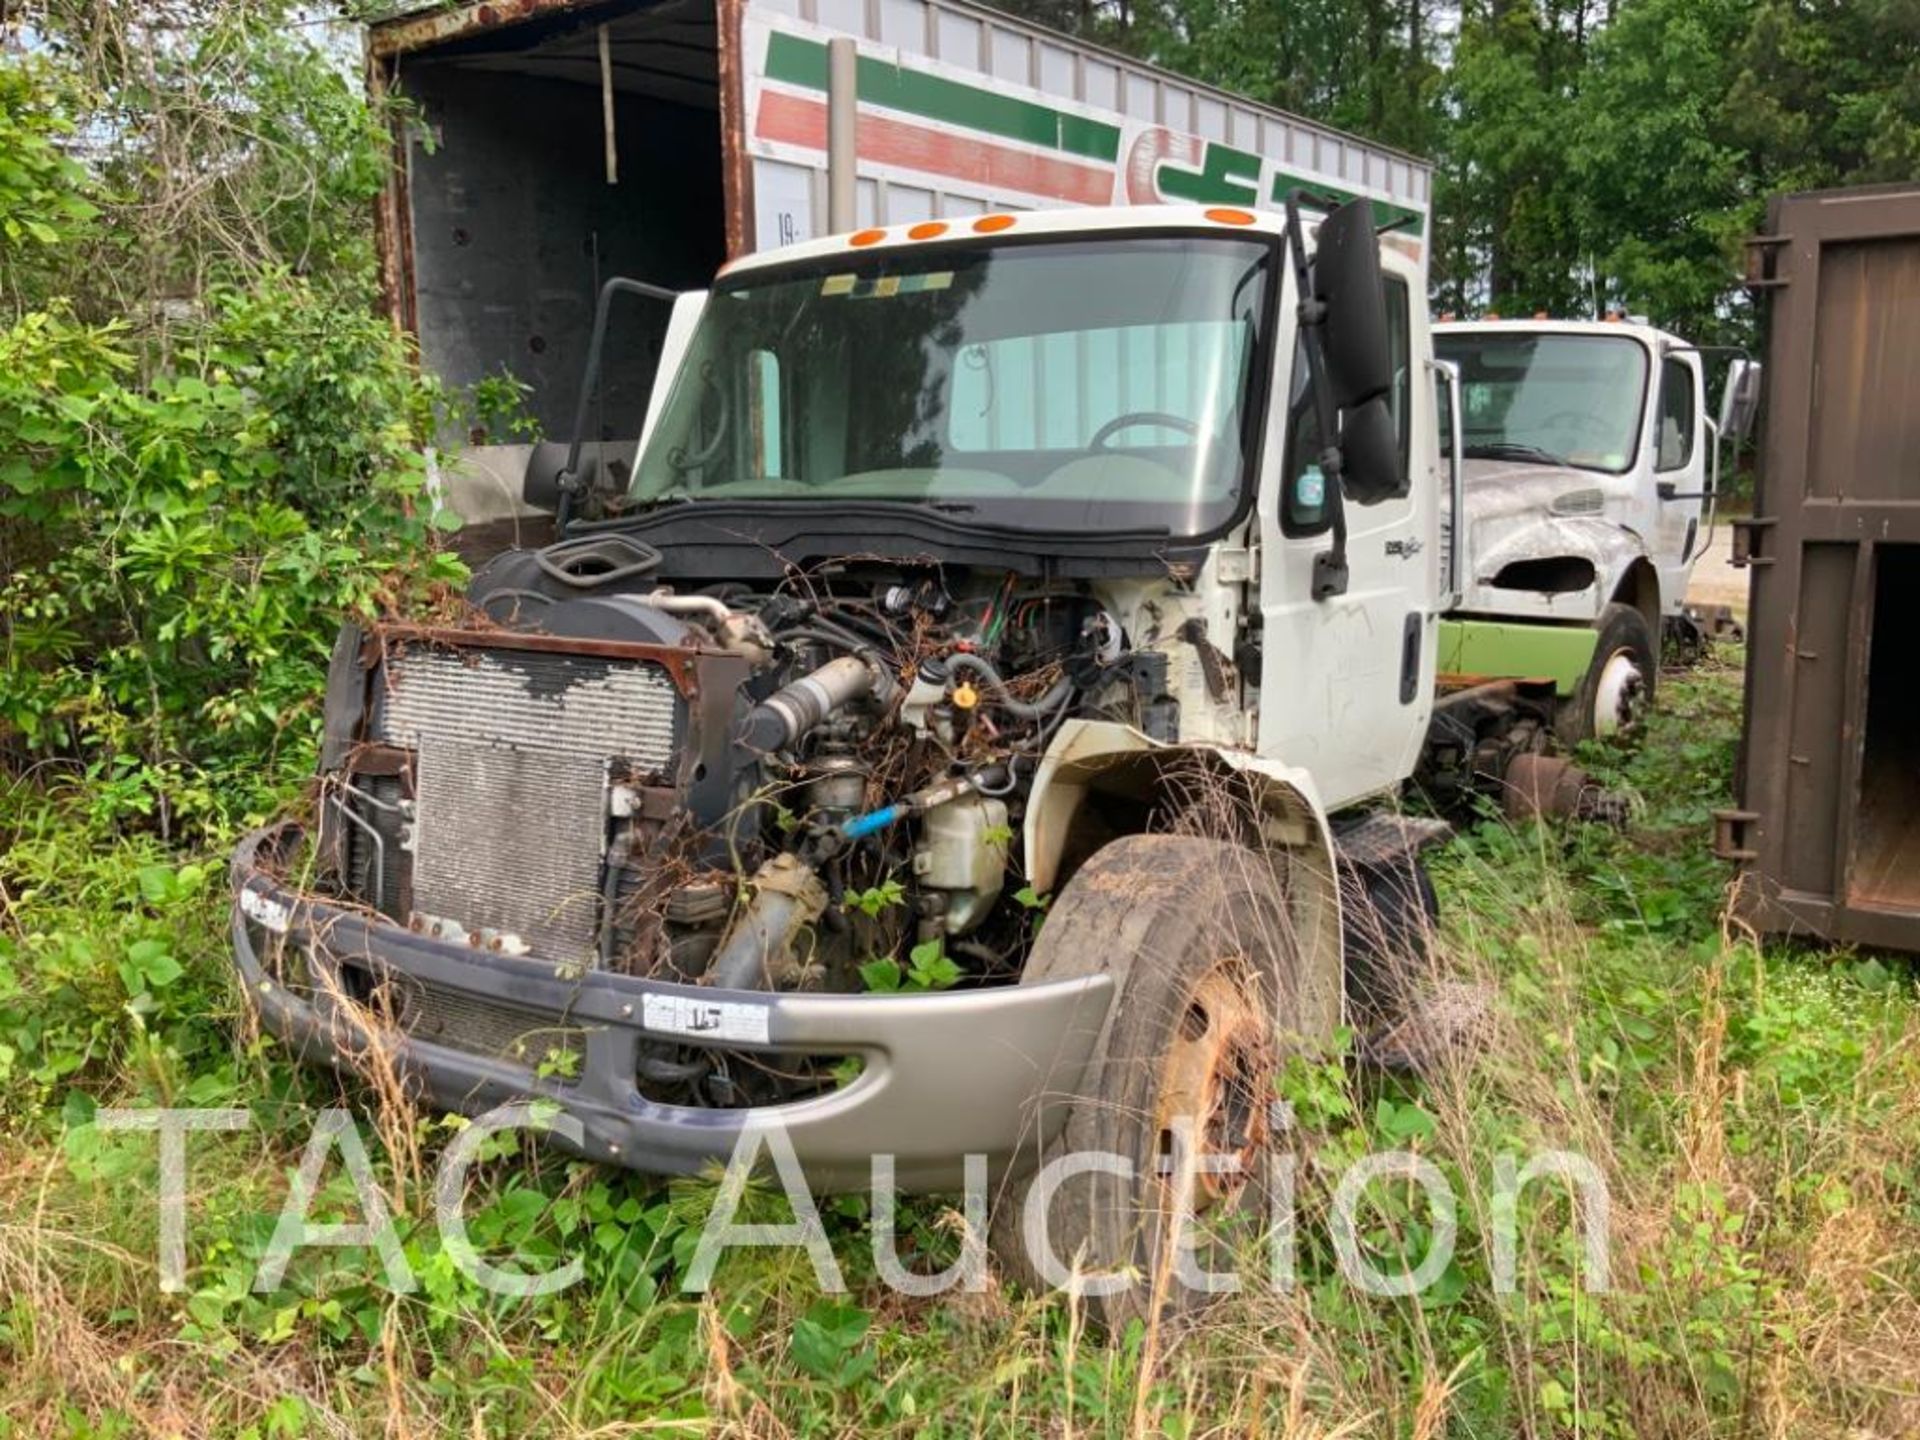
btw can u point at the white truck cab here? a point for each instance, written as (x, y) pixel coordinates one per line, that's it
(1328, 690)
(1589, 465)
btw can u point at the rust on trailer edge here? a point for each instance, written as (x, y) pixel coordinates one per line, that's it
(405, 33)
(736, 166)
(392, 231)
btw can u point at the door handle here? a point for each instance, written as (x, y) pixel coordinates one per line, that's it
(1411, 636)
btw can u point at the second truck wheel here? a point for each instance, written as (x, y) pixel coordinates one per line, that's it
(1614, 695)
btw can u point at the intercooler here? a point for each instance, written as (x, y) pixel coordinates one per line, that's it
(513, 754)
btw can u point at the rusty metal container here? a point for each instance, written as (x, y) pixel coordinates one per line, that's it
(1827, 826)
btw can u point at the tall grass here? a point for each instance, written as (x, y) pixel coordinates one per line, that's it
(1755, 1112)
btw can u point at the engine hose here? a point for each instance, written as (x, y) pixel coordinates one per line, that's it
(994, 787)
(854, 620)
(618, 853)
(827, 633)
(1039, 709)
(794, 709)
(671, 1072)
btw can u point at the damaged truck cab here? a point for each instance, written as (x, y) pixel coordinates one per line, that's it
(947, 733)
(1590, 470)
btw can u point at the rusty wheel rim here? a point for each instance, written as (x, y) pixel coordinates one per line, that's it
(1217, 1079)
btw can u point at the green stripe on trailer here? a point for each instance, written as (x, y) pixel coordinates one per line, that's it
(802, 62)
(1386, 214)
(1495, 650)
(1232, 177)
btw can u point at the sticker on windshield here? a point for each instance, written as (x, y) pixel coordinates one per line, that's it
(1310, 490)
(885, 287)
(701, 1019)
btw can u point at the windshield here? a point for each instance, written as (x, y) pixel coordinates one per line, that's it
(1059, 386)
(1564, 399)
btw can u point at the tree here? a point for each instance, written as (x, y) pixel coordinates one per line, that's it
(1664, 195)
(1505, 228)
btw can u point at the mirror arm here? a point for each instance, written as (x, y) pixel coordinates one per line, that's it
(569, 477)
(1449, 373)
(1330, 565)
(1712, 497)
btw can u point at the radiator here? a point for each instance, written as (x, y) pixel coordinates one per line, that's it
(513, 751)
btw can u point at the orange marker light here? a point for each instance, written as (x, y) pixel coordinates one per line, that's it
(1230, 217)
(993, 224)
(867, 237)
(928, 230)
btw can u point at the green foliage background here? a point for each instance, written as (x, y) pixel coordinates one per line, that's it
(1590, 154)
(211, 446)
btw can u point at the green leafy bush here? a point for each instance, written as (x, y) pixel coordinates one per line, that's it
(186, 510)
(181, 548)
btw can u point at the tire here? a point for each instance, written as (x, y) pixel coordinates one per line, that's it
(1388, 915)
(1199, 940)
(1616, 692)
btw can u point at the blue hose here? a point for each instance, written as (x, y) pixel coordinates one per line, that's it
(874, 820)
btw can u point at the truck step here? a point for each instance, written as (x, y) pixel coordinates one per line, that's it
(1386, 837)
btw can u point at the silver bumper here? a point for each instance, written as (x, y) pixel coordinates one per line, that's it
(945, 1075)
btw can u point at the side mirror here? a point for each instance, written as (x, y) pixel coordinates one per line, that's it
(1740, 400)
(540, 487)
(1347, 280)
(579, 464)
(1370, 452)
(1359, 357)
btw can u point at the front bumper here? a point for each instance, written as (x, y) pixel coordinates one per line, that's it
(945, 1075)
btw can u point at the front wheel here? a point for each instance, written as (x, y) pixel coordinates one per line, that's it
(1613, 697)
(1169, 1132)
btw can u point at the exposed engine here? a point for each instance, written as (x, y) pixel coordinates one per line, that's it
(817, 786)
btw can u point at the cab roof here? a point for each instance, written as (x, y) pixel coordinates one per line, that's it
(1652, 336)
(1015, 224)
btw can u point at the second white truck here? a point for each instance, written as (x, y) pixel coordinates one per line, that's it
(1590, 468)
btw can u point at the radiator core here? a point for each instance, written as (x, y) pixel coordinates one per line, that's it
(513, 751)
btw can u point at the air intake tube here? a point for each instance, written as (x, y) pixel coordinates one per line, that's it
(794, 709)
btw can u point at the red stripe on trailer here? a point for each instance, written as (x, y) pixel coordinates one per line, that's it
(795, 120)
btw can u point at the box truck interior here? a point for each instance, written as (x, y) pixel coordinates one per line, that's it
(523, 198)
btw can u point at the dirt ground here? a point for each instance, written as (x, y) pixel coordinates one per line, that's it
(1715, 581)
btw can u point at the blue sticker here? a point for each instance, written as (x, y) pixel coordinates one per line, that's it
(1310, 490)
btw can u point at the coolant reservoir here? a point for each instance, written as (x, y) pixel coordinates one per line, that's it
(963, 851)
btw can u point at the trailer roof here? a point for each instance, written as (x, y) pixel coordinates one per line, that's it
(426, 24)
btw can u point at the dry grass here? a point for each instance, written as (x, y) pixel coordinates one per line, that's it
(1757, 1122)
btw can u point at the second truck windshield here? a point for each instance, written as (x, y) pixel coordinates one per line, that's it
(1563, 399)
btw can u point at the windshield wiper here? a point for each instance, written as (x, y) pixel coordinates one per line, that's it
(1512, 450)
(878, 507)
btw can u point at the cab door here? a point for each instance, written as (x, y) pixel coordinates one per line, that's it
(1346, 683)
(1679, 447)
